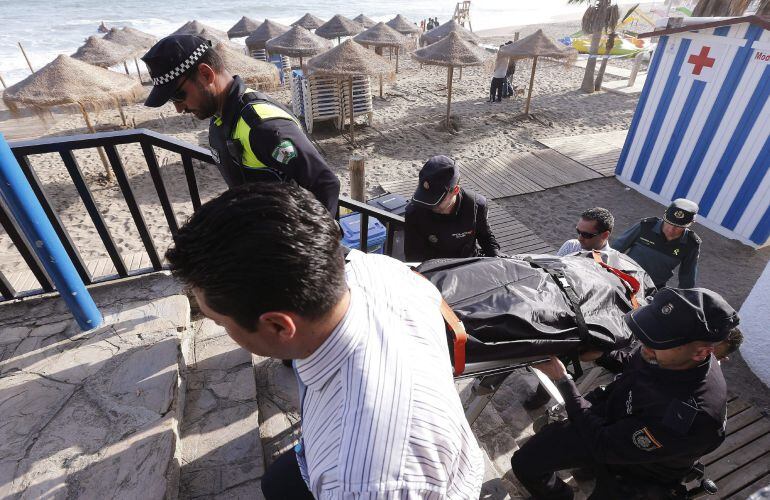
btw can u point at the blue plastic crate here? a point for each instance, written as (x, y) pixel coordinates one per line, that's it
(351, 231)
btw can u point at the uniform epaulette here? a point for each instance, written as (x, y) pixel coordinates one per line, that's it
(650, 219)
(694, 237)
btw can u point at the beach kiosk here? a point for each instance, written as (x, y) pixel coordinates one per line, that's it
(701, 129)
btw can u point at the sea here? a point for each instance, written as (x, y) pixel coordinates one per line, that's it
(47, 28)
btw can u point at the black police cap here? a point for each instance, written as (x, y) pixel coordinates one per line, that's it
(679, 316)
(681, 212)
(168, 60)
(437, 177)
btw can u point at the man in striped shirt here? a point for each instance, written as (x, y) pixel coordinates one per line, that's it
(380, 414)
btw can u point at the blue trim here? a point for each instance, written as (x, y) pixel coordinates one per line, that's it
(661, 110)
(722, 31)
(762, 231)
(737, 142)
(749, 187)
(652, 73)
(728, 87)
(681, 128)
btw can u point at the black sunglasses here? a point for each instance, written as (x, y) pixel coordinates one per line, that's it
(179, 94)
(585, 235)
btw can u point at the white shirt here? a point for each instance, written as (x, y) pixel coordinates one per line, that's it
(573, 246)
(380, 414)
(501, 66)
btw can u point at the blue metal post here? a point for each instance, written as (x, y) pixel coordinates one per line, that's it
(26, 210)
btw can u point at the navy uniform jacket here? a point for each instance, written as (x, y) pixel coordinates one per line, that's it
(250, 148)
(429, 235)
(660, 421)
(648, 246)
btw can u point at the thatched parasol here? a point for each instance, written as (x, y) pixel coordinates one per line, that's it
(261, 74)
(267, 30)
(537, 45)
(348, 60)
(195, 28)
(214, 38)
(104, 53)
(67, 81)
(339, 26)
(243, 27)
(131, 37)
(381, 35)
(364, 21)
(308, 21)
(403, 25)
(298, 42)
(445, 29)
(451, 51)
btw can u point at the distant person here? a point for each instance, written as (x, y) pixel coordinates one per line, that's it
(509, 72)
(662, 245)
(444, 220)
(498, 77)
(593, 233)
(381, 417)
(252, 137)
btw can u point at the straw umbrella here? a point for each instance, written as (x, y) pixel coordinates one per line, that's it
(261, 74)
(267, 30)
(104, 53)
(381, 35)
(214, 38)
(131, 37)
(243, 27)
(67, 81)
(451, 51)
(309, 21)
(403, 25)
(348, 60)
(337, 27)
(537, 45)
(364, 21)
(298, 42)
(445, 29)
(195, 28)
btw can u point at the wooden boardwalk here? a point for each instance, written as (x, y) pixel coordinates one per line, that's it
(598, 152)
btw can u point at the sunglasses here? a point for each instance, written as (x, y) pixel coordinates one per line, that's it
(585, 235)
(179, 94)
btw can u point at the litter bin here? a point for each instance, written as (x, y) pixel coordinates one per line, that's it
(395, 204)
(351, 233)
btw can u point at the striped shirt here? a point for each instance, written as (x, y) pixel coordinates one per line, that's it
(380, 414)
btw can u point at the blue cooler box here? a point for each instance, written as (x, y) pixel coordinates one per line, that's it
(351, 231)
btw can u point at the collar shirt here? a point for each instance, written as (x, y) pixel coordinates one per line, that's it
(380, 414)
(573, 246)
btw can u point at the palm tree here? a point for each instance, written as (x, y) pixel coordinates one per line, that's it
(764, 8)
(599, 17)
(722, 8)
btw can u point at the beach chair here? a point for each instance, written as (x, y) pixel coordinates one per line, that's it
(297, 101)
(321, 100)
(362, 99)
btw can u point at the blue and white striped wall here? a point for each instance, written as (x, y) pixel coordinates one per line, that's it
(701, 129)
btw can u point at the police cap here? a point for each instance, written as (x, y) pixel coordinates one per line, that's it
(437, 177)
(681, 212)
(168, 60)
(679, 316)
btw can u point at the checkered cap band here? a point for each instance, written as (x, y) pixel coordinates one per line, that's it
(179, 70)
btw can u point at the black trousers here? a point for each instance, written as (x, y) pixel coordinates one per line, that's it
(282, 480)
(558, 446)
(496, 88)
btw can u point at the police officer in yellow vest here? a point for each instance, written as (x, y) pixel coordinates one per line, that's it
(252, 137)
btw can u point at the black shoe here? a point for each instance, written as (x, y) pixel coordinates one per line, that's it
(537, 398)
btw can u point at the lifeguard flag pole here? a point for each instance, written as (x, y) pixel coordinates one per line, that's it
(25, 208)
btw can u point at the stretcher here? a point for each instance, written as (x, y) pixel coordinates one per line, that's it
(504, 314)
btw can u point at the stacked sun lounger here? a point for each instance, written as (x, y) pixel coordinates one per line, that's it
(362, 98)
(321, 99)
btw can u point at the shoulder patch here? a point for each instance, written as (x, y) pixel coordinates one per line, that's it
(284, 152)
(644, 440)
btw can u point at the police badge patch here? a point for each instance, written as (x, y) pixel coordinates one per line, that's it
(284, 152)
(644, 440)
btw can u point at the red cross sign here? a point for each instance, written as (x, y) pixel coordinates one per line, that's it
(701, 60)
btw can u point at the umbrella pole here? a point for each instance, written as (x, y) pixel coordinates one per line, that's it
(6, 86)
(139, 73)
(380, 86)
(300, 65)
(461, 73)
(352, 133)
(396, 60)
(125, 66)
(24, 53)
(450, 72)
(99, 149)
(531, 82)
(122, 114)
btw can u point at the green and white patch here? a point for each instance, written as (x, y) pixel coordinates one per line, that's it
(284, 152)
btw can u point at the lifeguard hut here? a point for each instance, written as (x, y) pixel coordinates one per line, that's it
(463, 14)
(701, 129)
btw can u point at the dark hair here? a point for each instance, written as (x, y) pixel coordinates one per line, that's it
(603, 218)
(262, 247)
(732, 343)
(212, 58)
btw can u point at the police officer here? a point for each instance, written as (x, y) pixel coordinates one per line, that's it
(659, 246)
(444, 220)
(649, 426)
(252, 137)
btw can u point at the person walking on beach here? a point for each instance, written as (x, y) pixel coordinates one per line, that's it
(444, 220)
(380, 415)
(498, 78)
(252, 137)
(508, 90)
(660, 245)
